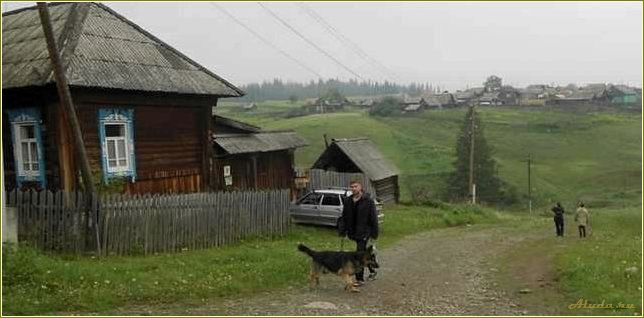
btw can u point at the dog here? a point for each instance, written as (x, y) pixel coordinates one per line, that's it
(344, 264)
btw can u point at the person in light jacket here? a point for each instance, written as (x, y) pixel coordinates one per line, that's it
(582, 217)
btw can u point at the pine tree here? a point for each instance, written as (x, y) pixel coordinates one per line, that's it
(488, 185)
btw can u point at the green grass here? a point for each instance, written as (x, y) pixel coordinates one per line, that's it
(36, 283)
(594, 157)
(594, 269)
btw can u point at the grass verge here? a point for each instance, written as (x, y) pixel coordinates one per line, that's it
(38, 284)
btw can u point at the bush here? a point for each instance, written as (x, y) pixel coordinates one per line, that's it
(389, 106)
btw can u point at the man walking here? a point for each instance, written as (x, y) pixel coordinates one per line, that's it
(359, 222)
(558, 210)
(583, 219)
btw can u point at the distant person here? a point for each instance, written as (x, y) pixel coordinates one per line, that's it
(558, 210)
(359, 222)
(582, 217)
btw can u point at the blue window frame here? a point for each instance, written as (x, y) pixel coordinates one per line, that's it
(28, 151)
(116, 130)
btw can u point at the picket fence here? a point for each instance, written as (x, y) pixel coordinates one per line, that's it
(146, 224)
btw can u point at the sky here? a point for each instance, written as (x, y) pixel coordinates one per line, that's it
(453, 45)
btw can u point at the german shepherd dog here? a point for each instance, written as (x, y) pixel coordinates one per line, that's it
(344, 264)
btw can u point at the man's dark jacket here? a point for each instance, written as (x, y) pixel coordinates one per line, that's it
(359, 219)
(558, 210)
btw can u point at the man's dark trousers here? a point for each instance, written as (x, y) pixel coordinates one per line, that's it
(559, 224)
(361, 245)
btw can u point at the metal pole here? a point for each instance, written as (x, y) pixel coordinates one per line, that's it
(529, 183)
(471, 185)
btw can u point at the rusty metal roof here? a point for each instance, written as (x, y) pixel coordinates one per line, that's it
(259, 142)
(102, 49)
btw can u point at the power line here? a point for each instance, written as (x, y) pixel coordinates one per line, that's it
(267, 42)
(286, 24)
(346, 41)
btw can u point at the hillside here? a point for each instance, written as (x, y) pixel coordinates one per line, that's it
(590, 156)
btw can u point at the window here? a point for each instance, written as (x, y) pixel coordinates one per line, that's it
(117, 143)
(115, 138)
(312, 199)
(27, 146)
(331, 199)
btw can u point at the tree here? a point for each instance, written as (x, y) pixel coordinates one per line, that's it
(493, 83)
(489, 188)
(293, 98)
(388, 106)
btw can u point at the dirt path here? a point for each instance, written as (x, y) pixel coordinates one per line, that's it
(443, 272)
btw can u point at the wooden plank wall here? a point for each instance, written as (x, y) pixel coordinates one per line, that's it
(274, 171)
(167, 145)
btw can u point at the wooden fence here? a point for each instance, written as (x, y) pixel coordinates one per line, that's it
(321, 179)
(54, 220)
(145, 224)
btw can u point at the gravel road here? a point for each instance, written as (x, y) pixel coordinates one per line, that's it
(441, 272)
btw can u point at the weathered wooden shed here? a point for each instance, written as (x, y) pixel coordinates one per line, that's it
(144, 107)
(362, 155)
(246, 157)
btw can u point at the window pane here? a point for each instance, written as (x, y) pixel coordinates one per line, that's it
(27, 132)
(111, 150)
(115, 130)
(121, 148)
(111, 163)
(25, 166)
(34, 166)
(122, 163)
(34, 152)
(25, 152)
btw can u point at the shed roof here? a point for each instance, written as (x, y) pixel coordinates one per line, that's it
(439, 99)
(259, 142)
(102, 49)
(219, 120)
(366, 156)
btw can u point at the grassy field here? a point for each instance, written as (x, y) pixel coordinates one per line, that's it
(39, 284)
(596, 269)
(594, 157)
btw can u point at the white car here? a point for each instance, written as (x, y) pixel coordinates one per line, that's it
(323, 207)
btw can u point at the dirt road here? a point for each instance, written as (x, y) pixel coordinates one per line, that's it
(443, 272)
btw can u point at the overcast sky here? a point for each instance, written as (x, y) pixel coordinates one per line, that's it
(454, 45)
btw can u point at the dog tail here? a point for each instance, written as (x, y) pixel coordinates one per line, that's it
(305, 249)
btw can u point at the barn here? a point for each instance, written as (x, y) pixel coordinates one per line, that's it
(144, 108)
(362, 155)
(247, 157)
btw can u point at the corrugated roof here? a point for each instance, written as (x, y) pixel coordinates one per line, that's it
(412, 107)
(366, 156)
(259, 142)
(220, 120)
(100, 49)
(439, 99)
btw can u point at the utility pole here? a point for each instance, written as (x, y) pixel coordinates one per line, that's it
(472, 185)
(65, 97)
(529, 183)
(69, 112)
